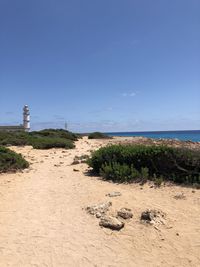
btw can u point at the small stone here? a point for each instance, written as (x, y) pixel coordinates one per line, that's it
(98, 215)
(56, 165)
(114, 194)
(75, 162)
(146, 215)
(111, 222)
(101, 208)
(125, 213)
(83, 161)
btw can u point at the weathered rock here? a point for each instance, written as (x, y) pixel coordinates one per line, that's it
(111, 222)
(114, 194)
(75, 162)
(125, 213)
(153, 216)
(75, 170)
(147, 215)
(99, 209)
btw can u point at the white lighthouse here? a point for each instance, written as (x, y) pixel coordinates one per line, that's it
(26, 116)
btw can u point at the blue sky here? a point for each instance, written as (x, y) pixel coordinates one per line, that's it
(109, 65)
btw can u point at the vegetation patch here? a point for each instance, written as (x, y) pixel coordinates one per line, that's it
(51, 142)
(127, 163)
(14, 138)
(11, 161)
(55, 133)
(98, 135)
(45, 139)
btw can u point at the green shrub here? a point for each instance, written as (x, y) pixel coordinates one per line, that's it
(11, 161)
(14, 138)
(49, 142)
(42, 139)
(130, 162)
(56, 133)
(119, 172)
(98, 135)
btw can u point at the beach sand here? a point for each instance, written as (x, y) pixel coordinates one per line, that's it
(43, 221)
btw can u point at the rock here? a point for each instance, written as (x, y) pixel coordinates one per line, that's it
(75, 170)
(114, 194)
(83, 161)
(80, 159)
(111, 222)
(125, 213)
(98, 215)
(99, 209)
(75, 162)
(56, 165)
(147, 215)
(153, 216)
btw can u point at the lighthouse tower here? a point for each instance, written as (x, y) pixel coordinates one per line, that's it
(26, 116)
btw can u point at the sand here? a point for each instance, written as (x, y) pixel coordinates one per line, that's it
(43, 221)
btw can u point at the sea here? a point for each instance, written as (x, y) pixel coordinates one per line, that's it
(192, 135)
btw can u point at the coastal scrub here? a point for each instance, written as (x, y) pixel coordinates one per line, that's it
(126, 163)
(98, 135)
(11, 161)
(44, 139)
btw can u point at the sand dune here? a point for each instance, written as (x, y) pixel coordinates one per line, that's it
(43, 221)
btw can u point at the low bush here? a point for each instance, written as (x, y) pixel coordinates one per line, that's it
(98, 135)
(122, 172)
(14, 138)
(138, 162)
(56, 133)
(11, 161)
(51, 142)
(44, 139)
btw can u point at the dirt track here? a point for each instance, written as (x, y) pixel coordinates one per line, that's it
(43, 221)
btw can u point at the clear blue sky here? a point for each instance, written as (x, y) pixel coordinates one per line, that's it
(109, 65)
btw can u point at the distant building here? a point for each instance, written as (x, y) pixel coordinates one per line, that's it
(22, 127)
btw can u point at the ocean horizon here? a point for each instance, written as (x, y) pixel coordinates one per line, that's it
(182, 135)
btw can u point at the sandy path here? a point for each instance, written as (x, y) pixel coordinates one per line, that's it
(43, 221)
